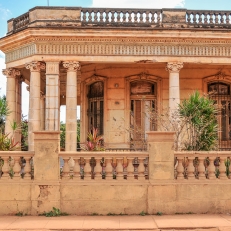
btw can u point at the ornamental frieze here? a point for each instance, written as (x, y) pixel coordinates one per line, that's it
(121, 49)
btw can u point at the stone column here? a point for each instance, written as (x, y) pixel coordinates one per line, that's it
(71, 105)
(52, 96)
(174, 84)
(34, 101)
(42, 111)
(11, 75)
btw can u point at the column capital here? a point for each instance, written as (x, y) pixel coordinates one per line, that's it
(72, 65)
(35, 66)
(11, 72)
(174, 66)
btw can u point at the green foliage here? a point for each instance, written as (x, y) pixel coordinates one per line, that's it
(159, 213)
(94, 214)
(143, 213)
(4, 111)
(8, 143)
(20, 214)
(199, 114)
(24, 131)
(54, 213)
(94, 141)
(227, 165)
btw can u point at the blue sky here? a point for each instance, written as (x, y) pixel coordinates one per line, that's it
(14, 8)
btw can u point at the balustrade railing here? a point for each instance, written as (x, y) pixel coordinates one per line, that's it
(202, 165)
(16, 165)
(120, 16)
(21, 22)
(117, 166)
(205, 18)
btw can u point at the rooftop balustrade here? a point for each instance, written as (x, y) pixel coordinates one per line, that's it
(118, 17)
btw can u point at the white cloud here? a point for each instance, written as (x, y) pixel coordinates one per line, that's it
(4, 13)
(149, 4)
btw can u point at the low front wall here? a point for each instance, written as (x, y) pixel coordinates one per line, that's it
(87, 199)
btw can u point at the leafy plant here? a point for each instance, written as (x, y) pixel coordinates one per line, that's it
(20, 214)
(4, 111)
(8, 143)
(159, 213)
(143, 213)
(24, 134)
(54, 213)
(94, 141)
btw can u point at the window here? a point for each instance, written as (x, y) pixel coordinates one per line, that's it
(143, 100)
(96, 106)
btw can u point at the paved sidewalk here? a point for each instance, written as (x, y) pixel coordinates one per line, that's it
(164, 222)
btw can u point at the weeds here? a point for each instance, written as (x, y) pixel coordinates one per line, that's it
(54, 213)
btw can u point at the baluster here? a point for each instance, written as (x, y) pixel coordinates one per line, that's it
(222, 168)
(124, 16)
(146, 172)
(90, 18)
(216, 18)
(206, 163)
(118, 17)
(71, 165)
(5, 168)
(136, 164)
(129, 16)
(16, 168)
(98, 170)
(27, 168)
(92, 165)
(222, 20)
(191, 169)
(103, 168)
(107, 16)
(147, 19)
(82, 163)
(180, 169)
(135, 17)
(196, 164)
(119, 169)
(206, 17)
(114, 165)
(227, 18)
(211, 18)
(11, 163)
(200, 18)
(108, 169)
(130, 169)
(76, 169)
(211, 169)
(87, 169)
(84, 16)
(176, 162)
(112, 16)
(194, 18)
(101, 19)
(185, 163)
(125, 168)
(227, 163)
(217, 167)
(65, 173)
(141, 169)
(141, 17)
(158, 17)
(95, 16)
(201, 169)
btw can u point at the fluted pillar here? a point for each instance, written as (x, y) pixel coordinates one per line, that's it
(11, 75)
(42, 111)
(71, 105)
(34, 121)
(174, 84)
(52, 97)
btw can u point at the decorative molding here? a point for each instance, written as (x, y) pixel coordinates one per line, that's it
(52, 68)
(35, 66)
(72, 65)
(123, 48)
(11, 72)
(94, 78)
(174, 66)
(143, 76)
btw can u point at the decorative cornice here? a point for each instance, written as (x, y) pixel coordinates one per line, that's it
(72, 66)
(142, 76)
(95, 78)
(35, 66)
(126, 47)
(174, 66)
(11, 72)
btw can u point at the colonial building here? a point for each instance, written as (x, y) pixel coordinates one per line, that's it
(114, 63)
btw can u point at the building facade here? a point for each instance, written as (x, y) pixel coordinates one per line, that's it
(116, 64)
